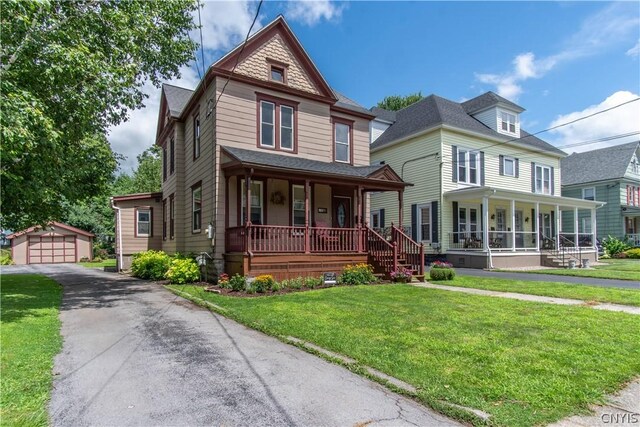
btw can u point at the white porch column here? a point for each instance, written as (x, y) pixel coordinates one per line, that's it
(535, 228)
(485, 223)
(576, 227)
(593, 228)
(558, 222)
(513, 225)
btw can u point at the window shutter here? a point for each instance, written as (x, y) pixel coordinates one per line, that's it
(533, 177)
(553, 186)
(414, 222)
(454, 163)
(381, 218)
(482, 168)
(517, 166)
(434, 222)
(456, 225)
(501, 166)
(533, 220)
(553, 223)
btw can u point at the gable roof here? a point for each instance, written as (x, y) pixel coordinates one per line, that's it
(434, 111)
(598, 165)
(51, 225)
(488, 100)
(177, 98)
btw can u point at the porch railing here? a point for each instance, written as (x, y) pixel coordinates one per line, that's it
(409, 250)
(382, 253)
(472, 241)
(633, 239)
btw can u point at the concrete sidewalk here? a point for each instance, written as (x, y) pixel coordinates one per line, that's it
(539, 277)
(534, 298)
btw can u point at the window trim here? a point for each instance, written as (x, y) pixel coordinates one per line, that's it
(535, 174)
(138, 210)
(164, 162)
(172, 158)
(282, 70)
(172, 216)
(280, 127)
(263, 197)
(347, 122)
(196, 137)
(164, 219)
(419, 235)
(194, 187)
(504, 164)
(589, 188)
(278, 103)
(465, 165)
(501, 121)
(371, 214)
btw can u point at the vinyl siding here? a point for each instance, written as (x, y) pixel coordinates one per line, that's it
(609, 220)
(130, 243)
(491, 118)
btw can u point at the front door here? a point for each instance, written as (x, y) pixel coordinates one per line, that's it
(341, 212)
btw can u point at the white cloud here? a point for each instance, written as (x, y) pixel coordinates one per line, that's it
(634, 51)
(310, 12)
(601, 30)
(224, 25)
(618, 121)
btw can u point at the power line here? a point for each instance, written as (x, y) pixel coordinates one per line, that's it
(201, 45)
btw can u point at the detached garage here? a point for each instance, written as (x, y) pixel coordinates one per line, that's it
(56, 243)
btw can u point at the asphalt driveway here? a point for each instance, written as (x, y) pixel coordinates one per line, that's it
(135, 354)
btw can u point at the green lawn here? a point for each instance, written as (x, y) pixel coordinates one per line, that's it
(30, 339)
(524, 363)
(623, 269)
(548, 289)
(105, 263)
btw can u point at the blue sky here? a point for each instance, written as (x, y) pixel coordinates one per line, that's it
(558, 60)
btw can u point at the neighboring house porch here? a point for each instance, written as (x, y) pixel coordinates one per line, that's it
(306, 217)
(631, 215)
(494, 228)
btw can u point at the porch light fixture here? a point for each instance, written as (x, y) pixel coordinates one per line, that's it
(493, 216)
(526, 219)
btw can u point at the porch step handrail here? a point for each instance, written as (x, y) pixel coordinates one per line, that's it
(408, 249)
(565, 249)
(383, 255)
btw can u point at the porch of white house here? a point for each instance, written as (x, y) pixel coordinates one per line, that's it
(494, 228)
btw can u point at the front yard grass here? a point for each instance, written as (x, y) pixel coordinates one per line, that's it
(548, 289)
(30, 339)
(622, 269)
(105, 263)
(524, 363)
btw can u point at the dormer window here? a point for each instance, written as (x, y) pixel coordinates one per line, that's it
(507, 122)
(277, 74)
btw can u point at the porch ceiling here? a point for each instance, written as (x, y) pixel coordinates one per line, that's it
(237, 161)
(520, 196)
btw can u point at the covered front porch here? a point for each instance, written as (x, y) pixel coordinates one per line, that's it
(631, 218)
(305, 217)
(494, 228)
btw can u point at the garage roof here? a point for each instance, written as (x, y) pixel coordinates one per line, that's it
(52, 224)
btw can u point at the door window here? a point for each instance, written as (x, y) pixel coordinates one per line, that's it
(256, 202)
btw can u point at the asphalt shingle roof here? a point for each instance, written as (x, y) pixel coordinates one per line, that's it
(435, 110)
(597, 165)
(487, 100)
(382, 114)
(350, 104)
(261, 157)
(177, 98)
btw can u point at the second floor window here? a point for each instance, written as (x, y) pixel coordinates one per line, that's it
(143, 222)
(468, 166)
(589, 193)
(286, 127)
(342, 139)
(164, 163)
(507, 122)
(277, 125)
(543, 179)
(172, 156)
(196, 137)
(196, 208)
(509, 166)
(267, 124)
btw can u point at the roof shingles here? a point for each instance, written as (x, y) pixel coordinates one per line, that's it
(598, 165)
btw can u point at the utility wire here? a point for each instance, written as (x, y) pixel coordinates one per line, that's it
(201, 46)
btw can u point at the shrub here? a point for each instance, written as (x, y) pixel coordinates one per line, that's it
(183, 270)
(442, 273)
(263, 283)
(238, 283)
(312, 282)
(613, 246)
(441, 264)
(150, 265)
(223, 280)
(401, 274)
(359, 274)
(84, 259)
(633, 253)
(96, 259)
(100, 253)
(5, 259)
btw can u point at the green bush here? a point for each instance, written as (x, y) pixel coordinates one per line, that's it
(263, 283)
(183, 270)
(440, 273)
(633, 253)
(96, 259)
(312, 282)
(613, 246)
(5, 259)
(238, 283)
(151, 265)
(359, 274)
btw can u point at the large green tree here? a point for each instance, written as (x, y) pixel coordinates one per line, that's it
(68, 71)
(398, 102)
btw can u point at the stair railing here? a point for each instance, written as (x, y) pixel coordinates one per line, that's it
(382, 253)
(409, 250)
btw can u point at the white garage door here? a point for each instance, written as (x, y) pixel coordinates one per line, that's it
(52, 249)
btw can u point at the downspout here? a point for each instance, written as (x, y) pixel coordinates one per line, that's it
(119, 215)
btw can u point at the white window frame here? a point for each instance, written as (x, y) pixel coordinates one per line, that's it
(542, 168)
(293, 142)
(586, 225)
(194, 210)
(466, 164)
(272, 124)
(372, 219)
(469, 226)
(138, 222)
(196, 137)
(509, 116)
(244, 200)
(420, 223)
(504, 166)
(584, 190)
(336, 142)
